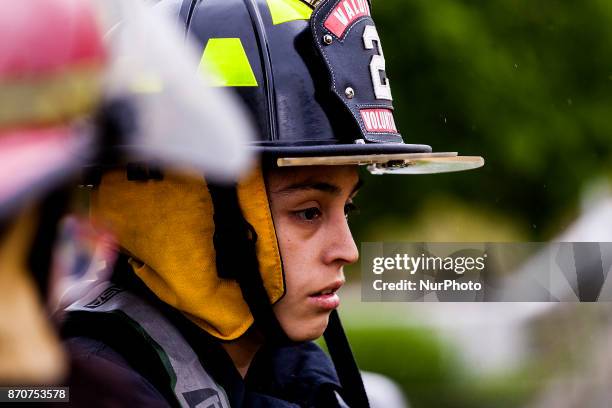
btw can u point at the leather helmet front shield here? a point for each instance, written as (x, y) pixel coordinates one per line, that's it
(167, 227)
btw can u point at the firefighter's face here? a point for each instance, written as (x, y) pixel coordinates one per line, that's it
(309, 207)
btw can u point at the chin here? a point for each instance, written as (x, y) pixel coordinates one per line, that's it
(300, 331)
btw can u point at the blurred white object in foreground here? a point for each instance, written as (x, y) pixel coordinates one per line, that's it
(180, 119)
(383, 392)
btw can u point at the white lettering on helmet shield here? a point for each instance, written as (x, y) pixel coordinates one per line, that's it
(381, 90)
(341, 17)
(349, 11)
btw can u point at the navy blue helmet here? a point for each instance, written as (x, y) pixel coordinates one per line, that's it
(312, 73)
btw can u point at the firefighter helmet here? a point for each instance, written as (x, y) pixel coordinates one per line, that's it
(313, 75)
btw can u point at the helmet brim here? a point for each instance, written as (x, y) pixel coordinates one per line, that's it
(385, 158)
(340, 149)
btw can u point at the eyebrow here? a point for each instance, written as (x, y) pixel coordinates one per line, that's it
(319, 186)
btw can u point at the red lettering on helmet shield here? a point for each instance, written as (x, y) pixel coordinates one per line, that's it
(345, 14)
(378, 120)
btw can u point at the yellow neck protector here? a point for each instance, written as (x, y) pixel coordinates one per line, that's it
(167, 227)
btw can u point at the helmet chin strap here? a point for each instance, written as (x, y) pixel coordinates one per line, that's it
(344, 361)
(234, 241)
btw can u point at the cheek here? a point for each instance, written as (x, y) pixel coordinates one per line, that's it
(298, 249)
(297, 257)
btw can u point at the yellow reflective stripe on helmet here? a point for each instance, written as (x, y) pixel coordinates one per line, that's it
(228, 63)
(283, 11)
(49, 99)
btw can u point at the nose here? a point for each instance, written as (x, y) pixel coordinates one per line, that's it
(340, 247)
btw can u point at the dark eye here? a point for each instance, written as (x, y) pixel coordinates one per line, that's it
(349, 209)
(309, 214)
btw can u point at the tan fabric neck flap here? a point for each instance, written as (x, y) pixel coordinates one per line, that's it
(167, 227)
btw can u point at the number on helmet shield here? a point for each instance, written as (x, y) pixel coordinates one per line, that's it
(382, 89)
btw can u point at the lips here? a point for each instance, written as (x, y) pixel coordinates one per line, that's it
(329, 289)
(326, 298)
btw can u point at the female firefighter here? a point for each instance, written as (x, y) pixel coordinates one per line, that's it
(221, 288)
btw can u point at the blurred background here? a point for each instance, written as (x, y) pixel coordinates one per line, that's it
(528, 85)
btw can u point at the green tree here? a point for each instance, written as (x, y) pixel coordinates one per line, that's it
(526, 84)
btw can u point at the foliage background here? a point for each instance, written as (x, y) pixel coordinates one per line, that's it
(527, 84)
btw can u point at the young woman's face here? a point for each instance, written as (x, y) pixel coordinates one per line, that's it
(309, 207)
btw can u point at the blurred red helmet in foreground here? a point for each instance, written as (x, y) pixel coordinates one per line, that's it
(51, 60)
